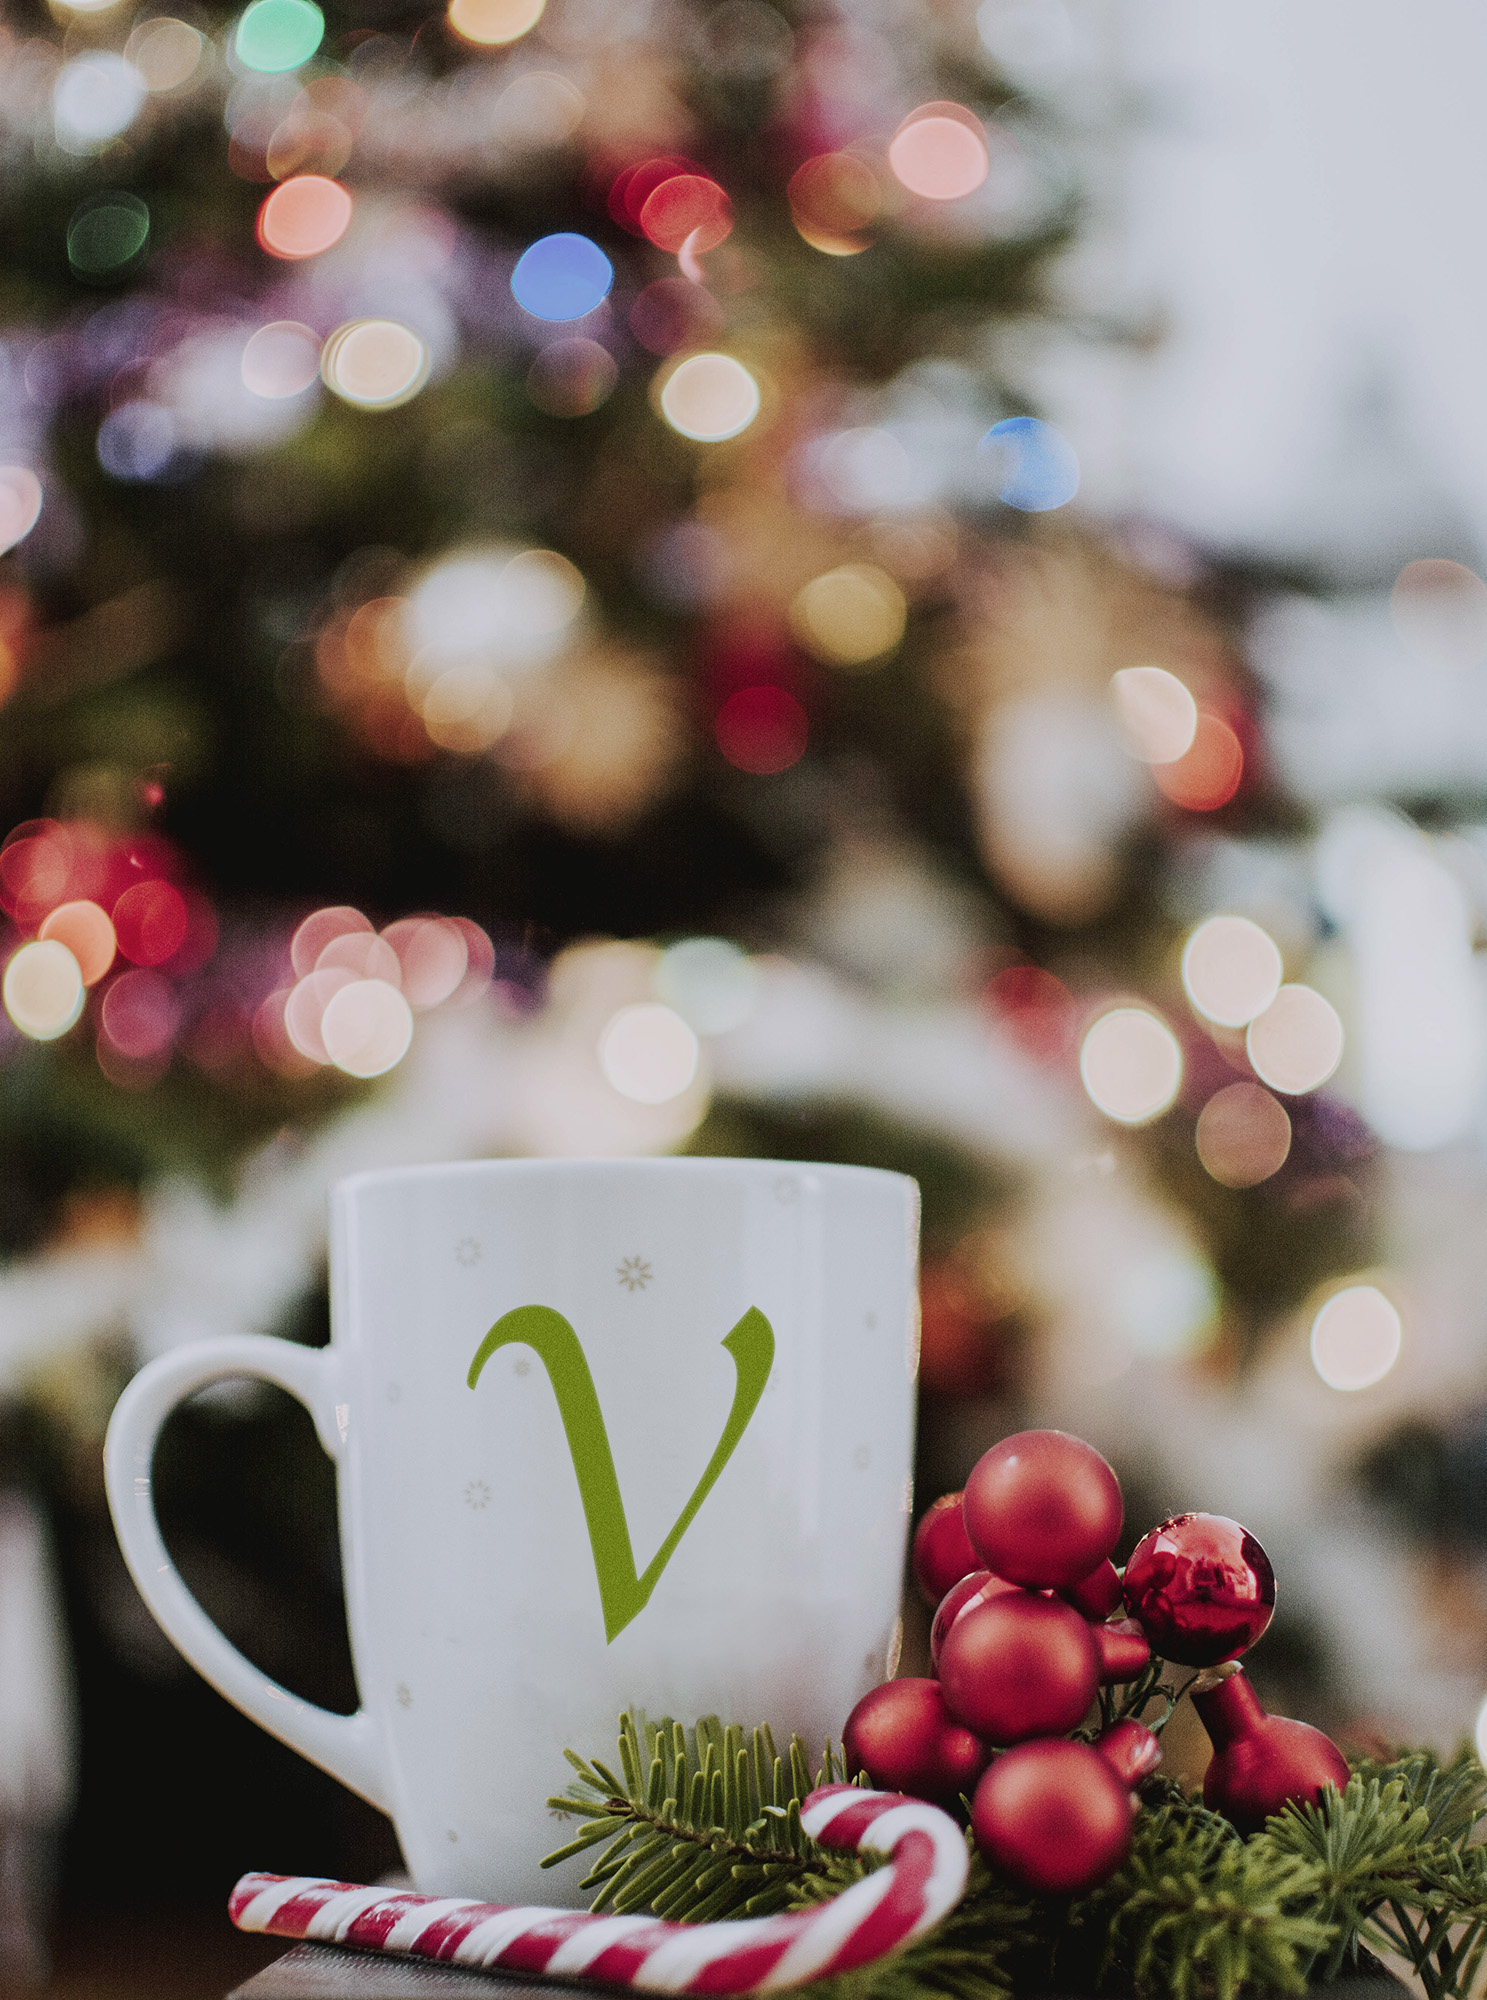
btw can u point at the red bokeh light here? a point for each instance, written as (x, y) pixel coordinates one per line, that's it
(688, 209)
(35, 870)
(633, 186)
(304, 216)
(1036, 1009)
(151, 921)
(1208, 773)
(762, 730)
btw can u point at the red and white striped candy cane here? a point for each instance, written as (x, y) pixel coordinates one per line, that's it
(925, 1877)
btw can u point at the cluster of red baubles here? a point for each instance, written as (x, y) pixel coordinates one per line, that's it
(1033, 1618)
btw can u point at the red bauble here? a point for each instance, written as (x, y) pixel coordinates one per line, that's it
(1054, 1816)
(1019, 1665)
(979, 1585)
(1097, 1594)
(1131, 1750)
(1201, 1588)
(942, 1551)
(1123, 1650)
(903, 1737)
(1042, 1508)
(1261, 1762)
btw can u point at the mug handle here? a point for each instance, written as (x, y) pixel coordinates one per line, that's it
(344, 1745)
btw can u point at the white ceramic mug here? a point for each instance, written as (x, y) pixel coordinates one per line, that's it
(608, 1434)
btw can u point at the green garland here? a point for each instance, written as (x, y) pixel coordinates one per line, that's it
(705, 1823)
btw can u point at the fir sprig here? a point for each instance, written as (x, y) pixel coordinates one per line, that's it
(706, 1823)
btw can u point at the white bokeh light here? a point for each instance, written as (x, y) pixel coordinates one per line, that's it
(1158, 716)
(1296, 1044)
(95, 97)
(648, 1053)
(711, 983)
(367, 1027)
(43, 989)
(1131, 1065)
(1231, 970)
(1356, 1338)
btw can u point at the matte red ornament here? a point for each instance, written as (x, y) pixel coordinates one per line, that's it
(942, 1550)
(1097, 1594)
(1131, 1750)
(1123, 1650)
(1042, 1508)
(1261, 1762)
(1054, 1816)
(1019, 1665)
(978, 1586)
(905, 1739)
(1201, 1588)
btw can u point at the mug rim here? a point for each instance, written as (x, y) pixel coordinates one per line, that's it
(666, 1164)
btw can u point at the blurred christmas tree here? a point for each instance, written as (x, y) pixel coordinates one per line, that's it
(570, 470)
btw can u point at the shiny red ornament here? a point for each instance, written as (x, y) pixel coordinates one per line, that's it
(1201, 1588)
(1097, 1594)
(903, 1736)
(942, 1550)
(1019, 1665)
(1131, 1750)
(1054, 1816)
(1261, 1762)
(1042, 1508)
(979, 1587)
(1123, 1650)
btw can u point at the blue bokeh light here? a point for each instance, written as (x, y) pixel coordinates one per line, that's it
(561, 277)
(1036, 466)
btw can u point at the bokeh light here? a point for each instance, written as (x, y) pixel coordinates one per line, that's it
(88, 934)
(304, 216)
(317, 931)
(277, 35)
(140, 1015)
(853, 616)
(304, 1010)
(648, 1053)
(687, 212)
(374, 363)
(561, 277)
(674, 313)
(43, 989)
(491, 23)
(433, 957)
(762, 730)
(1243, 1135)
(710, 397)
(20, 504)
(1356, 1338)
(107, 234)
(1231, 970)
(572, 378)
(1036, 1008)
(95, 97)
(833, 198)
(468, 708)
(166, 53)
(35, 868)
(1158, 716)
(1296, 1044)
(366, 1027)
(939, 152)
(281, 360)
(138, 441)
(1036, 467)
(1440, 612)
(364, 955)
(711, 983)
(1209, 772)
(501, 608)
(1131, 1065)
(150, 922)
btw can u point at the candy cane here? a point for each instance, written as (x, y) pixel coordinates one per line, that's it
(925, 1878)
